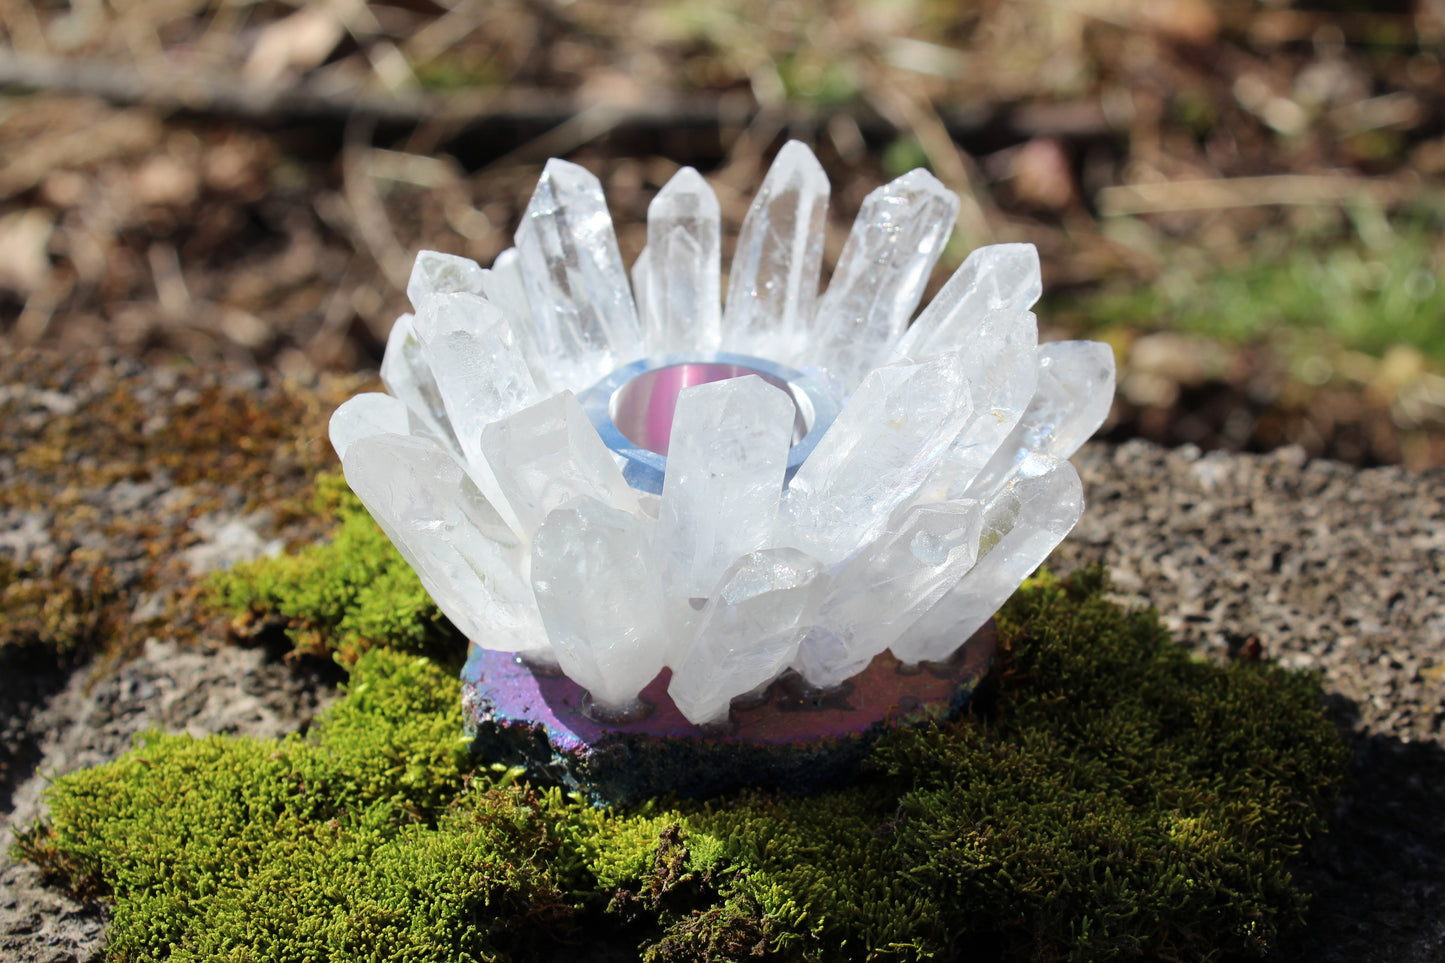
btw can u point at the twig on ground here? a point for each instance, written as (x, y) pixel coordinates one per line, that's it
(1286, 189)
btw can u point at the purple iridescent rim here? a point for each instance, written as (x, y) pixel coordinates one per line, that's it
(788, 736)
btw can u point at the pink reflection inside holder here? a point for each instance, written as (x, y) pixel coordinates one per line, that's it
(642, 409)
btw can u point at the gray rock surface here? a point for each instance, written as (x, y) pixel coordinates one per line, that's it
(1314, 564)
(94, 719)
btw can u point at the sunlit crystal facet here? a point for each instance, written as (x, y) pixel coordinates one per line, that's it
(1023, 523)
(578, 290)
(546, 455)
(773, 284)
(367, 414)
(882, 446)
(1075, 391)
(725, 468)
(749, 632)
(1000, 280)
(469, 560)
(506, 287)
(479, 368)
(678, 290)
(435, 273)
(405, 374)
(598, 590)
(1002, 367)
(897, 238)
(888, 586)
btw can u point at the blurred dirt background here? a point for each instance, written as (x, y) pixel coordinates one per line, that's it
(1244, 198)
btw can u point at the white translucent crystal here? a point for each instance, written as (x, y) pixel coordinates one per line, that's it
(599, 593)
(641, 281)
(773, 284)
(983, 310)
(469, 348)
(581, 301)
(896, 239)
(749, 631)
(468, 559)
(405, 374)
(546, 455)
(882, 446)
(1023, 523)
(678, 289)
(434, 272)
(997, 280)
(367, 414)
(888, 586)
(725, 467)
(1002, 369)
(479, 368)
(507, 289)
(1075, 391)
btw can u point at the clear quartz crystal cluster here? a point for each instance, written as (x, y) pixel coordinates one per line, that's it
(941, 484)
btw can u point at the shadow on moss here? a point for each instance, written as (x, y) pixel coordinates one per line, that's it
(1110, 798)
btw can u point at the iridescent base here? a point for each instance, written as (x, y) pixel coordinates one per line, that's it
(795, 738)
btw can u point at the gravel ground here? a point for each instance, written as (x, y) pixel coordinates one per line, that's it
(1320, 566)
(1311, 563)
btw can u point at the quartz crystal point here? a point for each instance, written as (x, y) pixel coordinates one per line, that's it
(549, 454)
(677, 277)
(996, 280)
(983, 311)
(773, 284)
(1022, 524)
(581, 301)
(434, 273)
(882, 446)
(725, 467)
(888, 586)
(896, 239)
(468, 559)
(470, 349)
(1075, 391)
(598, 590)
(405, 374)
(748, 632)
(367, 414)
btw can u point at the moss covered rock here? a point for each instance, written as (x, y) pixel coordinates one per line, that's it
(1108, 798)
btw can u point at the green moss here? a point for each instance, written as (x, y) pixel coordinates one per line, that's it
(1111, 798)
(1125, 800)
(346, 596)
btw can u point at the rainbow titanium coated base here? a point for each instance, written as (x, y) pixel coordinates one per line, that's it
(798, 739)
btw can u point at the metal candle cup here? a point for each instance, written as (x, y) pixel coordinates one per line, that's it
(632, 408)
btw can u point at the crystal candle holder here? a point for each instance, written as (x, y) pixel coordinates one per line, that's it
(694, 510)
